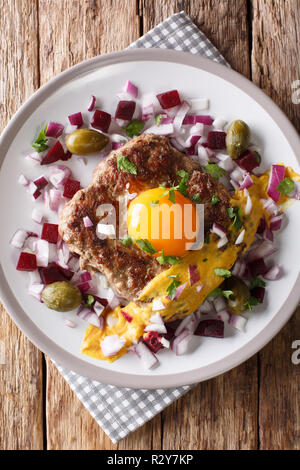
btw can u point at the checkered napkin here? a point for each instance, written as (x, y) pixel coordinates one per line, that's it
(119, 411)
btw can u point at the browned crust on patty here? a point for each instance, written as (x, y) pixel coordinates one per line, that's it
(129, 269)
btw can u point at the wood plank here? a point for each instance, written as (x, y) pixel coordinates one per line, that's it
(21, 415)
(275, 55)
(104, 27)
(275, 66)
(220, 413)
(224, 23)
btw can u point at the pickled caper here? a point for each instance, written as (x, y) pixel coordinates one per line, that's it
(240, 294)
(61, 296)
(238, 138)
(85, 141)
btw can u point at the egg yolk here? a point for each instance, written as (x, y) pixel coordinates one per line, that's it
(168, 226)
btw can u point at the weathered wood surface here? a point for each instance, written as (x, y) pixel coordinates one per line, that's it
(21, 420)
(253, 406)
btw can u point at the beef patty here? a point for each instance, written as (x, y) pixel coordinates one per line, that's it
(128, 268)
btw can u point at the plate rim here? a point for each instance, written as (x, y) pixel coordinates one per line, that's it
(96, 372)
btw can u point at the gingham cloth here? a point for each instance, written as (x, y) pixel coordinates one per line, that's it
(119, 411)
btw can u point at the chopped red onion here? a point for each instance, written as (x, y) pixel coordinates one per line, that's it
(206, 307)
(219, 123)
(276, 175)
(34, 157)
(189, 324)
(92, 103)
(98, 308)
(249, 205)
(194, 275)
(219, 303)
(181, 343)
(54, 199)
(36, 291)
(156, 327)
(69, 323)
(54, 129)
(264, 250)
(179, 291)
(275, 222)
(42, 253)
(148, 359)
(18, 239)
(238, 322)
(87, 222)
(218, 230)
(295, 194)
(224, 315)
(274, 273)
(178, 120)
(247, 182)
(270, 206)
(157, 319)
(157, 305)
(23, 180)
(131, 89)
(76, 119)
(165, 342)
(59, 175)
(240, 238)
(162, 129)
(222, 242)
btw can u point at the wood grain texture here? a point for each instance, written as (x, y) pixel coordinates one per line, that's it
(275, 53)
(223, 21)
(275, 65)
(21, 375)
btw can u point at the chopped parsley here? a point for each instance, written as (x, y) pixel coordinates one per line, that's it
(182, 187)
(204, 260)
(123, 163)
(146, 246)
(135, 127)
(235, 213)
(168, 259)
(222, 272)
(207, 240)
(172, 196)
(218, 292)
(196, 197)
(40, 143)
(127, 241)
(214, 200)
(90, 300)
(257, 282)
(172, 288)
(154, 203)
(158, 119)
(251, 302)
(286, 186)
(214, 170)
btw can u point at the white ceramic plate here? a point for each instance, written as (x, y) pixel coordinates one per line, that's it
(231, 96)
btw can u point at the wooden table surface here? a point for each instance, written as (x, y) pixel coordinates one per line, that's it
(254, 406)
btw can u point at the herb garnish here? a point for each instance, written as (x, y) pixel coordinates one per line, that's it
(286, 186)
(257, 282)
(127, 241)
(158, 119)
(135, 127)
(123, 163)
(214, 200)
(163, 259)
(90, 300)
(218, 291)
(214, 170)
(235, 213)
(172, 288)
(222, 272)
(196, 197)
(146, 246)
(251, 302)
(40, 143)
(154, 203)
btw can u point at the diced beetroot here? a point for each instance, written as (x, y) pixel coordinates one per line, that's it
(258, 266)
(50, 233)
(248, 161)
(27, 262)
(171, 328)
(65, 272)
(125, 110)
(213, 328)
(41, 182)
(76, 119)
(216, 140)
(52, 273)
(103, 302)
(259, 293)
(71, 187)
(127, 316)
(55, 153)
(262, 226)
(152, 339)
(207, 120)
(169, 99)
(67, 156)
(101, 120)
